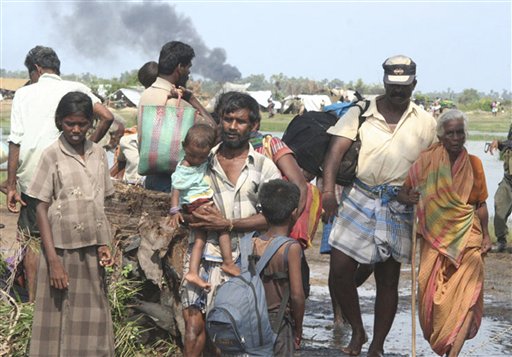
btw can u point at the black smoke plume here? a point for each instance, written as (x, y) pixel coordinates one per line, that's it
(100, 30)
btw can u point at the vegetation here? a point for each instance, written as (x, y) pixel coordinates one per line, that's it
(15, 331)
(282, 85)
(479, 121)
(15, 326)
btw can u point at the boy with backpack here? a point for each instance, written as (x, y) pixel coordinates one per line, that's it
(266, 317)
(282, 277)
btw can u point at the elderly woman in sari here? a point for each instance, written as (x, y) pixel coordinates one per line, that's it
(449, 187)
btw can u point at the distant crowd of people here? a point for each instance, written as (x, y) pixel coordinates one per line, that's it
(230, 184)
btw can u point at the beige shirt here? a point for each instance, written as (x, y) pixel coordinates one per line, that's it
(33, 120)
(76, 190)
(158, 94)
(386, 155)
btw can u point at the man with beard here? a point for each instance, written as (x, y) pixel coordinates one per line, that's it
(235, 172)
(370, 226)
(174, 66)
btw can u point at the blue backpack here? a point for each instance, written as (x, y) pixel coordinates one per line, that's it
(238, 321)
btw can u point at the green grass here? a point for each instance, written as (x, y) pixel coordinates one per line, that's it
(486, 137)
(486, 122)
(478, 121)
(278, 122)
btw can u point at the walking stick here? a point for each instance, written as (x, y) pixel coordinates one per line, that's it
(413, 283)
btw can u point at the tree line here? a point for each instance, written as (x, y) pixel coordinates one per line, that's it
(282, 86)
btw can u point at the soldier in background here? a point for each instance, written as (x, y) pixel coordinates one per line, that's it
(503, 196)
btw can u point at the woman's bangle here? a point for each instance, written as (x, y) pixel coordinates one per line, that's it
(174, 210)
(328, 191)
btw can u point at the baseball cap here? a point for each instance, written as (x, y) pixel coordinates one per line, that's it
(399, 70)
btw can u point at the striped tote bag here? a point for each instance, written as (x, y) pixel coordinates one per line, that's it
(161, 131)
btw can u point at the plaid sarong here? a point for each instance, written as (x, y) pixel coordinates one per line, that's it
(75, 321)
(193, 295)
(371, 226)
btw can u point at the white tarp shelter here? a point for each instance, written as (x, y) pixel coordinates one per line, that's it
(312, 102)
(130, 94)
(262, 96)
(226, 87)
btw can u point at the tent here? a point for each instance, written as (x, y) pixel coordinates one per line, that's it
(226, 87)
(129, 96)
(12, 84)
(312, 102)
(261, 96)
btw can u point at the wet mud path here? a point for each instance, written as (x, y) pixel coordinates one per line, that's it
(493, 339)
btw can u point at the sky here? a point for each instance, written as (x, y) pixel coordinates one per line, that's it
(455, 44)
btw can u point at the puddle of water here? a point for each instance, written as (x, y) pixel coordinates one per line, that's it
(493, 169)
(493, 339)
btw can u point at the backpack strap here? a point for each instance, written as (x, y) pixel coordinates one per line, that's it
(287, 292)
(272, 248)
(363, 109)
(246, 250)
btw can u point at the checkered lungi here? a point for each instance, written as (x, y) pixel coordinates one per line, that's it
(371, 225)
(210, 271)
(75, 321)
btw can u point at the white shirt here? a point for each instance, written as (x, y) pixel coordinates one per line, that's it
(129, 152)
(33, 120)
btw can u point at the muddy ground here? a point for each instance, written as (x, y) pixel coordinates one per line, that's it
(320, 339)
(493, 339)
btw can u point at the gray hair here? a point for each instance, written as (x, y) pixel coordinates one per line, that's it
(45, 57)
(452, 114)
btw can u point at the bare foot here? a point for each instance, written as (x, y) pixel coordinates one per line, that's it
(356, 344)
(195, 279)
(231, 269)
(375, 351)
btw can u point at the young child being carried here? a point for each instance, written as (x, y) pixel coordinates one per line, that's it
(190, 190)
(279, 200)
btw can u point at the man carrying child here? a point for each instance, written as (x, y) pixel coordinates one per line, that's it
(235, 172)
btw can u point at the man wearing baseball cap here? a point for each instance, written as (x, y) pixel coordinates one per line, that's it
(370, 226)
